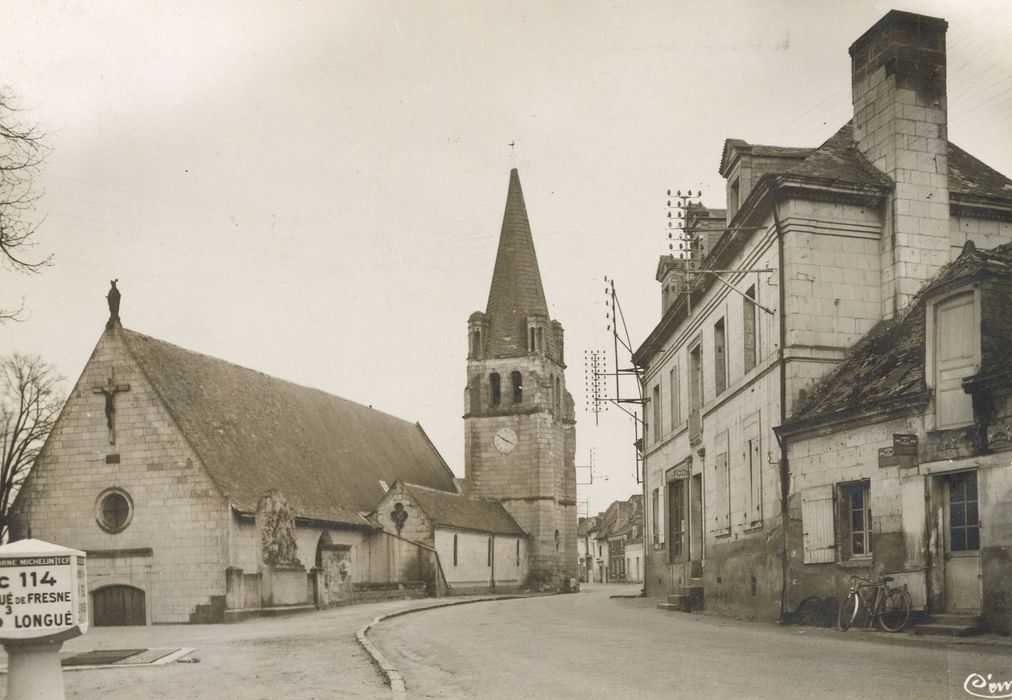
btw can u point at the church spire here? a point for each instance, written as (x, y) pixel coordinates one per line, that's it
(516, 292)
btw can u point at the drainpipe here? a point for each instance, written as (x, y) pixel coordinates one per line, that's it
(781, 440)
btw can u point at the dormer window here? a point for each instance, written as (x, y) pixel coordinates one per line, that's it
(952, 353)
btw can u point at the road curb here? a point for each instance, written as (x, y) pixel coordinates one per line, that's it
(392, 674)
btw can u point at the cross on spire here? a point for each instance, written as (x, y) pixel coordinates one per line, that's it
(110, 389)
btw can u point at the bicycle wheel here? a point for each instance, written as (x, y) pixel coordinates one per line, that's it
(895, 610)
(848, 611)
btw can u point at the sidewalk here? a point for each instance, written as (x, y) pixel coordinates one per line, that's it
(311, 655)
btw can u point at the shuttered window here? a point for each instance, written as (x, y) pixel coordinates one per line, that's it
(749, 335)
(676, 408)
(818, 532)
(956, 357)
(722, 497)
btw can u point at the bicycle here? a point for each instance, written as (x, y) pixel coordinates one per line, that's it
(890, 606)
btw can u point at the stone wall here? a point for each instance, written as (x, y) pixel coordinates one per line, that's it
(175, 547)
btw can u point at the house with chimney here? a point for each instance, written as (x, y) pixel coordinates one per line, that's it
(831, 402)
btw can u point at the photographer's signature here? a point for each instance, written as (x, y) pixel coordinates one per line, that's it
(981, 687)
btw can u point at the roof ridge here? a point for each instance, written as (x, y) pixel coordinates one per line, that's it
(265, 374)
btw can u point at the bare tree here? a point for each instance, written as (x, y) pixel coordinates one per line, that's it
(21, 152)
(30, 403)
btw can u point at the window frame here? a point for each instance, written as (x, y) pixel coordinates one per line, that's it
(720, 373)
(845, 532)
(100, 517)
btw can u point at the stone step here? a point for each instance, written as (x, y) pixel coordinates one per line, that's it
(956, 619)
(937, 629)
(670, 606)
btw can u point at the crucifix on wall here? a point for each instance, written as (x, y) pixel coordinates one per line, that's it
(110, 389)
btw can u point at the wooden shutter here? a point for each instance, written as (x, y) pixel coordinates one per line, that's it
(817, 525)
(956, 342)
(722, 498)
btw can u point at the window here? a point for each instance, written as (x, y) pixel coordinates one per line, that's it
(964, 519)
(855, 519)
(719, 357)
(558, 395)
(530, 339)
(656, 401)
(753, 460)
(848, 535)
(696, 377)
(476, 344)
(749, 334)
(818, 536)
(454, 550)
(654, 520)
(494, 388)
(518, 387)
(676, 408)
(490, 551)
(732, 199)
(676, 520)
(114, 510)
(518, 552)
(722, 500)
(956, 353)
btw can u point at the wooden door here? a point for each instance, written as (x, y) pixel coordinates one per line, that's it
(962, 543)
(118, 605)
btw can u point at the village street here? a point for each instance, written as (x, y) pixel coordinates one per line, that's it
(592, 646)
(586, 645)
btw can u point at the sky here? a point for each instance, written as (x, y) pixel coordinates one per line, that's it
(315, 189)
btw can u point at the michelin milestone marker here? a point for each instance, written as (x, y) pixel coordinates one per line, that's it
(43, 601)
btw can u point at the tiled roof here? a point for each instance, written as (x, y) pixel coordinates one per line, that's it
(969, 176)
(516, 291)
(254, 432)
(454, 510)
(886, 367)
(839, 159)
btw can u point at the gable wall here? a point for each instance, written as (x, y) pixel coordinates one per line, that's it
(177, 511)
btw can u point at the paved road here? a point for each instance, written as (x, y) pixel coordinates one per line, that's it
(590, 646)
(313, 655)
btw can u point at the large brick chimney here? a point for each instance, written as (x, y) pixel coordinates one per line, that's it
(898, 73)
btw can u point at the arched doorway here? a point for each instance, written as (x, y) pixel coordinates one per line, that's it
(336, 562)
(118, 605)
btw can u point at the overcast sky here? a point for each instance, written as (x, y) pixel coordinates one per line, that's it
(315, 189)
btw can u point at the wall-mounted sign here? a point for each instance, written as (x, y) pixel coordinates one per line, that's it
(43, 591)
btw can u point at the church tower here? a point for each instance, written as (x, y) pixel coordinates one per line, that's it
(520, 431)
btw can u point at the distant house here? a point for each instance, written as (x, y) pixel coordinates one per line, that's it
(613, 542)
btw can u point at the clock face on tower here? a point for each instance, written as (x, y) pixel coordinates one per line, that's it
(505, 440)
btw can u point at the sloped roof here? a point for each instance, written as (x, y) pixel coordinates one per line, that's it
(886, 367)
(838, 159)
(254, 432)
(969, 176)
(455, 510)
(516, 291)
(731, 146)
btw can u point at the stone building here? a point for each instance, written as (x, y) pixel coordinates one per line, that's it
(901, 455)
(823, 245)
(203, 491)
(520, 430)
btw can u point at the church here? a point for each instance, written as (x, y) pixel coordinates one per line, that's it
(203, 491)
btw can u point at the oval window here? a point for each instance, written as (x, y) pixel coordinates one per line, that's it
(114, 510)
